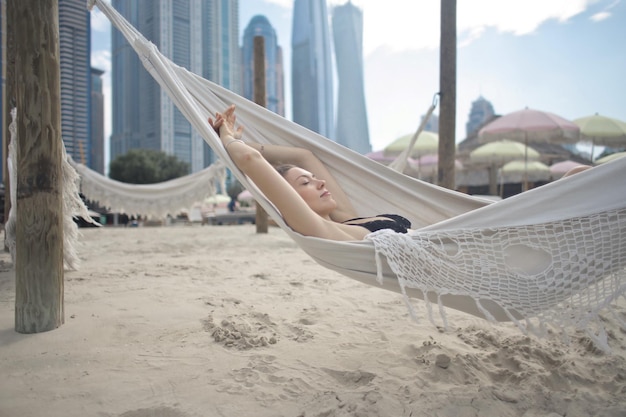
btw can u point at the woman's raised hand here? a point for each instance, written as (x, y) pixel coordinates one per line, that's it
(224, 124)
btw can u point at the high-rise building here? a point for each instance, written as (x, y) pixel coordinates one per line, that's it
(352, 126)
(4, 107)
(311, 67)
(200, 35)
(432, 124)
(274, 74)
(97, 121)
(221, 55)
(75, 62)
(480, 113)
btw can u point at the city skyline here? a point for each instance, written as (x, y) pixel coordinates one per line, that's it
(312, 68)
(194, 34)
(564, 58)
(352, 128)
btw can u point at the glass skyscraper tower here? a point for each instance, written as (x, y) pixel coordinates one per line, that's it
(274, 74)
(480, 113)
(311, 67)
(200, 35)
(352, 126)
(75, 63)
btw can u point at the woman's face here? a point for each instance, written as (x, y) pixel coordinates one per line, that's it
(312, 190)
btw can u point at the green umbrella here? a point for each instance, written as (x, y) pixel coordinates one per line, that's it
(497, 153)
(602, 130)
(516, 171)
(502, 151)
(427, 143)
(217, 199)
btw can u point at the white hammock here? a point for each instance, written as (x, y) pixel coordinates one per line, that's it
(553, 255)
(151, 199)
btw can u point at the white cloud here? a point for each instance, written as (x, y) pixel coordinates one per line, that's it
(600, 16)
(99, 22)
(101, 59)
(402, 25)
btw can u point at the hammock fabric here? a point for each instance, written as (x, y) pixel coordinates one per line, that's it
(151, 199)
(550, 256)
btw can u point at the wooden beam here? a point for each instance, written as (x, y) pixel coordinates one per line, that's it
(39, 233)
(260, 99)
(447, 88)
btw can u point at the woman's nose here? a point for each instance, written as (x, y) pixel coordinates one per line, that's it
(321, 183)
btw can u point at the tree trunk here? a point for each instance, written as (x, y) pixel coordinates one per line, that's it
(39, 234)
(447, 88)
(260, 99)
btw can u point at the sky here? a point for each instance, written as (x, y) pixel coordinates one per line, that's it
(562, 56)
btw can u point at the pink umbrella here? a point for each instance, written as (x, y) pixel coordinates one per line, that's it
(428, 163)
(245, 195)
(560, 168)
(530, 125)
(385, 159)
(379, 156)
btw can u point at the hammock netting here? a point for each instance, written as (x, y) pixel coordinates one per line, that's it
(549, 257)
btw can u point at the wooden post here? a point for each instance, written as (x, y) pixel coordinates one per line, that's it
(447, 87)
(8, 101)
(260, 99)
(39, 234)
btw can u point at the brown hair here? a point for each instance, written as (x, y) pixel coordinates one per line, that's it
(284, 168)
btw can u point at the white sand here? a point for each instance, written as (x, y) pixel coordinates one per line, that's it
(190, 321)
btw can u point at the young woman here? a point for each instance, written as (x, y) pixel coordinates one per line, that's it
(300, 186)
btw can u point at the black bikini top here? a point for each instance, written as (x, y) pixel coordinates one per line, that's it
(394, 222)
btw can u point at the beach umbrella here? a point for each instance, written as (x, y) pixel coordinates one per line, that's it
(602, 130)
(495, 154)
(502, 151)
(431, 162)
(609, 158)
(519, 171)
(528, 126)
(246, 196)
(427, 143)
(217, 199)
(428, 165)
(559, 169)
(379, 156)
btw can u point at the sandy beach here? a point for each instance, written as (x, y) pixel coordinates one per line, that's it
(194, 321)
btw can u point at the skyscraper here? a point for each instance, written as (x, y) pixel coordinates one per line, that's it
(97, 121)
(311, 69)
(274, 74)
(352, 125)
(481, 112)
(4, 110)
(75, 57)
(200, 35)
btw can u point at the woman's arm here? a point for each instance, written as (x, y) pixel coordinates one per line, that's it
(305, 159)
(298, 215)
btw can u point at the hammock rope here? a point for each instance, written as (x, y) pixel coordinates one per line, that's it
(399, 164)
(553, 256)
